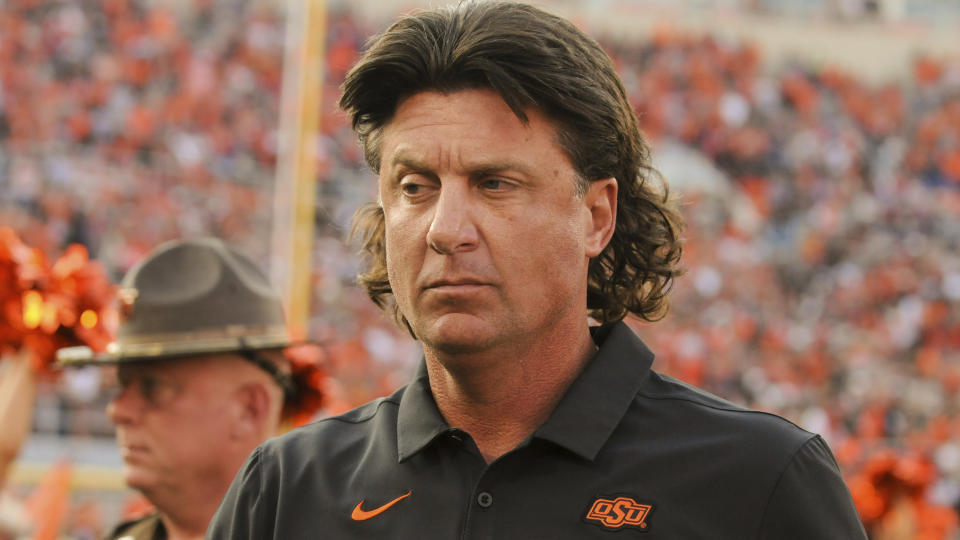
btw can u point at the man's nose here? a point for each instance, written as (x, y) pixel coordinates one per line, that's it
(126, 406)
(453, 229)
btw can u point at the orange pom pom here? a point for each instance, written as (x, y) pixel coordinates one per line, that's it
(45, 307)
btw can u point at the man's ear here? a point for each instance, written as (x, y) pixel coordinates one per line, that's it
(601, 203)
(254, 408)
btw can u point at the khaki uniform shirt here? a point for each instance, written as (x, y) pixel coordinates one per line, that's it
(149, 527)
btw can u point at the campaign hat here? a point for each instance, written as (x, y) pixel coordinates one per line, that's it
(190, 297)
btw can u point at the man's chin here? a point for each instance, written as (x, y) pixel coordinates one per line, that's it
(456, 347)
(139, 479)
(457, 334)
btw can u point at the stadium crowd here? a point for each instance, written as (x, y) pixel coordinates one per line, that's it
(823, 281)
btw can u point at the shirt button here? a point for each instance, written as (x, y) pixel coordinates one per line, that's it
(484, 499)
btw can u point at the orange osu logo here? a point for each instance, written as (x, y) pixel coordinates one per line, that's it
(618, 513)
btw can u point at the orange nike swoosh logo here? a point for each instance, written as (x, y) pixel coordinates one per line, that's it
(359, 514)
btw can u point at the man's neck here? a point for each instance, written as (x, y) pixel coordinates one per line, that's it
(179, 529)
(187, 512)
(501, 397)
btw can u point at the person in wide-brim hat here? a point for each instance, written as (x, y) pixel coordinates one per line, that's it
(202, 356)
(190, 297)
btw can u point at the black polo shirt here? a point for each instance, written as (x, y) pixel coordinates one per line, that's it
(627, 453)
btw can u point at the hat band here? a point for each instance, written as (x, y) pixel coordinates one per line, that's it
(175, 344)
(231, 332)
(195, 346)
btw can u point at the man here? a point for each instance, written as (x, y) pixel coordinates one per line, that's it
(515, 199)
(202, 380)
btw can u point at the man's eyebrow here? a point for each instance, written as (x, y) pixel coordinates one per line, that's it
(407, 159)
(413, 162)
(486, 169)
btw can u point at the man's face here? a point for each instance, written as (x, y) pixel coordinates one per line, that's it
(172, 418)
(485, 234)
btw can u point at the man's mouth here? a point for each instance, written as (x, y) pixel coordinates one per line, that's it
(456, 286)
(132, 450)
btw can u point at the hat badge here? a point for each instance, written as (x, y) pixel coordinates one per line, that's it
(127, 296)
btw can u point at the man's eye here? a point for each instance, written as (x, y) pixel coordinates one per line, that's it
(149, 386)
(411, 188)
(493, 184)
(158, 391)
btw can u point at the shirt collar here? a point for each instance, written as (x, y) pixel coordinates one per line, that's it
(419, 421)
(583, 420)
(599, 398)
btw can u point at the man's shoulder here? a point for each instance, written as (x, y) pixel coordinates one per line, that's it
(376, 418)
(665, 387)
(704, 412)
(331, 448)
(361, 415)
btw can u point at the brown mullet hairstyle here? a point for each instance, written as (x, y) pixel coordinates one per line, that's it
(533, 60)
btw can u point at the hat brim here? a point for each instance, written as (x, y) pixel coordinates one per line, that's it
(118, 353)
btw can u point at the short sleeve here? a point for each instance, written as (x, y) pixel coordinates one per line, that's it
(811, 501)
(244, 511)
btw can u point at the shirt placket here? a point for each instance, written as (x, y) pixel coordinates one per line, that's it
(481, 509)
